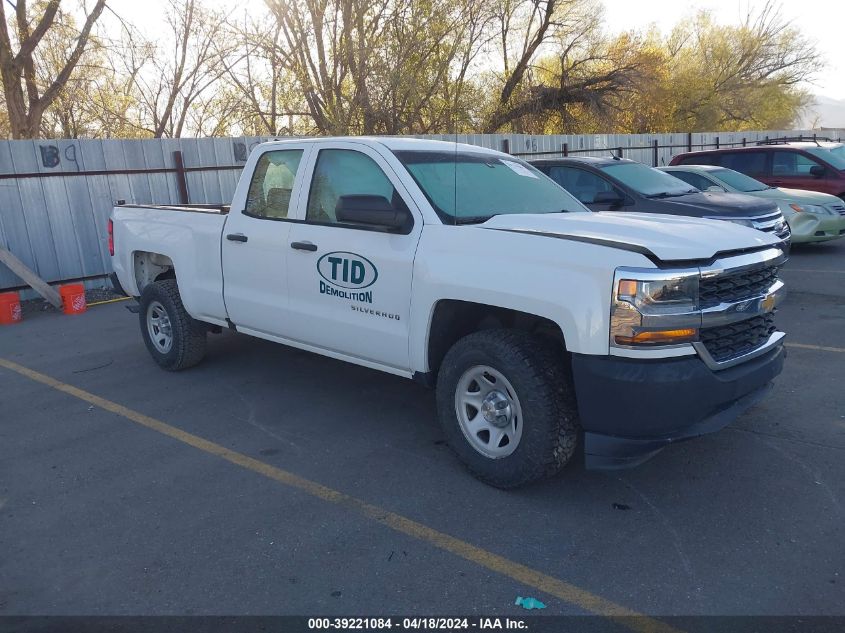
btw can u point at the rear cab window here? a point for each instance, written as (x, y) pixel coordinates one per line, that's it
(272, 183)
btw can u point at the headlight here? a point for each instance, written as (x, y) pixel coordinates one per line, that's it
(809, 208)
(651, 308)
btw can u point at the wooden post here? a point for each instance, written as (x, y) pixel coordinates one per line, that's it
(619, 152)
(689, 141)
(654, 153)
(181, 180)
(32, 280)
(506, 146)
(566, 149)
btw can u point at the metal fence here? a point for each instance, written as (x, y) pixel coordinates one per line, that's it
(56, 195)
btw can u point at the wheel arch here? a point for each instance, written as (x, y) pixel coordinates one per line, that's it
(149, 267)
(453, 319)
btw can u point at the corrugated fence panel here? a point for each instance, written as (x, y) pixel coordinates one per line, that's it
(56, 224)
(34, 209)
(99, 193)
(13, 229)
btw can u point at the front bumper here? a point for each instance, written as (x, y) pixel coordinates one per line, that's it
(630, 409)
(811, 227)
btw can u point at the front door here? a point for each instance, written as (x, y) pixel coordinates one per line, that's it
(587, 187)
(350, 286)
(791, 169)
(255, 241)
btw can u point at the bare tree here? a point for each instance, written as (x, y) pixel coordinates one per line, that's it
(25, 99)
(582, 71)
(172, 76)
(379, 66)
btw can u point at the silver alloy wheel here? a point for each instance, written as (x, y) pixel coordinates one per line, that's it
(159, 327)
(488, 411)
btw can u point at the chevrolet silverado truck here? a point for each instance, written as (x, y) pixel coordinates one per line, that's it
(541, 325)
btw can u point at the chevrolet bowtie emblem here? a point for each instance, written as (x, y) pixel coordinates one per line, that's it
(768, 304)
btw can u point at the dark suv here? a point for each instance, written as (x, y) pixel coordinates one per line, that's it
(812, 165)
(616, 184)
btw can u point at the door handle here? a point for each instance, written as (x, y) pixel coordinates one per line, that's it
(237, 237)
(304, 246)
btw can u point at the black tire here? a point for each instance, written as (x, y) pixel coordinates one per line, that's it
(543, 387)
(188, 335)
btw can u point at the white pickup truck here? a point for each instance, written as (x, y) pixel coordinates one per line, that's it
(539, 322)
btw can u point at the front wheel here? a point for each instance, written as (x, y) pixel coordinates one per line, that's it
(174, 339)
(506, 407)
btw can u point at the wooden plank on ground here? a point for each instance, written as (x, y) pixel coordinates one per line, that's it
(34, 281)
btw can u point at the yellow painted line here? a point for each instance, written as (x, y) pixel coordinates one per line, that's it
(819, 348)
(516, 571)
(100, 303)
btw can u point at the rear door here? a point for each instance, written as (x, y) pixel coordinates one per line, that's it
(350, 286)
(750, 163)
(255, 239)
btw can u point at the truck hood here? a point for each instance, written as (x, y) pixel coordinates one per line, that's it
(664, 237)
(719, 204)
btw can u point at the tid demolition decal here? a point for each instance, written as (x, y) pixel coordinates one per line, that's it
(346, 275)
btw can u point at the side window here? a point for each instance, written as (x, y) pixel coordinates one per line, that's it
(699, 159)
(343, 172)
(581, 184)
(792, 164)
(696, 180)
(749, 163)
(272, 183)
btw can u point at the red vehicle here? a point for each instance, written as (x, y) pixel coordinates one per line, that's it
(811, 165)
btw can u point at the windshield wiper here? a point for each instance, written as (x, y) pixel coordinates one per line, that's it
(473, 219)
(667, 194)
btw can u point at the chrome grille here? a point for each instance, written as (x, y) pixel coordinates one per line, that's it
(732, 287)
(730, 341)
(769, 223)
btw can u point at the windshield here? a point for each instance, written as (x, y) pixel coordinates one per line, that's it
(739, 181)
(834, 155)
(473, 187)
(648, 181)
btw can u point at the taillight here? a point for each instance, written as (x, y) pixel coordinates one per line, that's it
(111, 237)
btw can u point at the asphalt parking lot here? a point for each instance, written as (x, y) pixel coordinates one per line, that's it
(272, 481)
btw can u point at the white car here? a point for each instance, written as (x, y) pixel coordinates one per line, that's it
(469, 270)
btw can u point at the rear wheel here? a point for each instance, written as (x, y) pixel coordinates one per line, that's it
(506, 407)
(174, 339)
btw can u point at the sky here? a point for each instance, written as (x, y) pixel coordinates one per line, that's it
(820, 20)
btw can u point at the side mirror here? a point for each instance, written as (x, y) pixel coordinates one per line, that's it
(374, 211)
(817, 171)
(608, 197)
